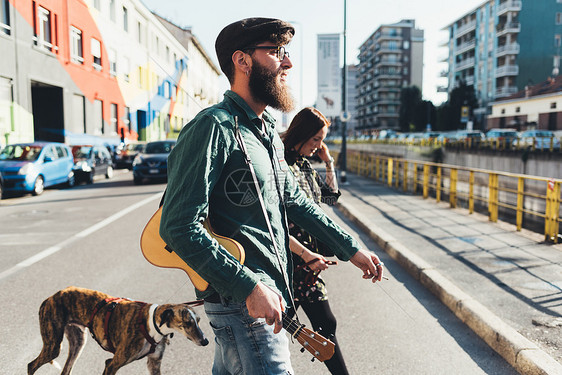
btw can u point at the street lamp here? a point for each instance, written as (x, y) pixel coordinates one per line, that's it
(344, 117)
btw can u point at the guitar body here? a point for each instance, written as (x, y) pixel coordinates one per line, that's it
(155, 251)
(159, 254)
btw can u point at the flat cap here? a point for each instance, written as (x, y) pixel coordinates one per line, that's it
(248, 32)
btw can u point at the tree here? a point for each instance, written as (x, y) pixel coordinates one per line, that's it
(449, 113)
(410, 99)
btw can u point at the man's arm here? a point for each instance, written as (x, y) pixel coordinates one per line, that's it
(194, 166)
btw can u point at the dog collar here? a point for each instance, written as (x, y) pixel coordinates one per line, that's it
(152, 326)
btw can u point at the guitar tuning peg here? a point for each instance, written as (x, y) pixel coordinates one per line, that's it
(313, 358)
(302, 350)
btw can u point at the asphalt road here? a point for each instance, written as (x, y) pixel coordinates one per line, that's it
(88, 236)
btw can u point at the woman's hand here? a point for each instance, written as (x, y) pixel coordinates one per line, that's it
(319, 265)
(324, 153)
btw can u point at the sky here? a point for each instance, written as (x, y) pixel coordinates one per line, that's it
(312, 17)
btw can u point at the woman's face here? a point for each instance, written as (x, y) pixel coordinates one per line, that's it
(308, 148)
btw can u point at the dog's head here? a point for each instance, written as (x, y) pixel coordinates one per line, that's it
(183, 319)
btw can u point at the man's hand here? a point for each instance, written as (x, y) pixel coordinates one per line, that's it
(265, 303)
(369, 263)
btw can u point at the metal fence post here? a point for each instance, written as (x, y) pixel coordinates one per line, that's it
(520, 198)
(552, 211)
(425, 181)
(453, 188)
(471, 192)
(397, 181)
(438, 185)
(390, 173)
(405, 181)
(493, 197)
(415, 179)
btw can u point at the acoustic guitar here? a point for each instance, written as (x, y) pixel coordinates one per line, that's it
(159, 254)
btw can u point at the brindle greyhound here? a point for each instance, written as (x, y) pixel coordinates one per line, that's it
(129, 329)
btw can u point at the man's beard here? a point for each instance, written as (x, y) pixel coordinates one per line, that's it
(264, 87)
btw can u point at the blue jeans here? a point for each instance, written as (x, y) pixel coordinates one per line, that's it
(245, 345)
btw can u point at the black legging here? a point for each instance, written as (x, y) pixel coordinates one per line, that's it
(324, 322)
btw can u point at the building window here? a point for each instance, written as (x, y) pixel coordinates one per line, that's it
(44, 29)
(406, 44)
(126, 69)
(97, 4)
(503, 111)
(557, 39)
(96, 54)
(112, 10)
(76, 52)
(558, 18)
(112, 57)
(5, 17)
(127, 119)
(125, 19)
(553, 105)
(140, 82)
(167, 54)
(517, 109)
(114, 117)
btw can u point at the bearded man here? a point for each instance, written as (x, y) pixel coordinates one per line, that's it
(208, 179)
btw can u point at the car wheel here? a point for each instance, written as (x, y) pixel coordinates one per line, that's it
(1, 191)
(39, 186)
(137, 180)
(71, 180)
(90, 177)
(109, 172)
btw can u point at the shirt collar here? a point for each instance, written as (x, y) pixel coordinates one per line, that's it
(242, 105)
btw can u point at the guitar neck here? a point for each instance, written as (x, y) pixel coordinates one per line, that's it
(291, 325)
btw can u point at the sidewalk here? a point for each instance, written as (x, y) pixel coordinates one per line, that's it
(505, 285)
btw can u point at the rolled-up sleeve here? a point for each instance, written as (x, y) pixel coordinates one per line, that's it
(194, 166)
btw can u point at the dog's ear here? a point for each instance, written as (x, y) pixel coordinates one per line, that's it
(166, 317)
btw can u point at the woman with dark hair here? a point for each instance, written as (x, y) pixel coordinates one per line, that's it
(302, 140)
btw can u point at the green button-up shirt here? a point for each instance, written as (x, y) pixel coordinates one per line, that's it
(208, 177)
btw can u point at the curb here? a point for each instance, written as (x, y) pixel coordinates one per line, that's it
(522, 354)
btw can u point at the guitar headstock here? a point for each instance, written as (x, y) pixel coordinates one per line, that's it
(319, 346)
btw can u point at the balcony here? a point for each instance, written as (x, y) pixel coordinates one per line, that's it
(442, 89)
(508, 49)
(444, 73)
(469, 80)
(507, 70)
(507, 28)
(509, 6)
(461, 30)
(502, 92)
(464, 64)
(466, 46)
(390, 36)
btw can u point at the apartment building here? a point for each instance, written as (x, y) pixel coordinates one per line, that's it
(391, 58)
(502, 46)
(107, 68)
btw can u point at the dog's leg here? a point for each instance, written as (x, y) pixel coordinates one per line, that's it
(76, 336)
(120, 359)
(52, 333)
(154, 360)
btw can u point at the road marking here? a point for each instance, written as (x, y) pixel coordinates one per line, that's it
(86, 232)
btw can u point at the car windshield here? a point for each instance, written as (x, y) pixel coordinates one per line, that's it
(20, 152)
(135, 147)
(81, 152)
(159, 148)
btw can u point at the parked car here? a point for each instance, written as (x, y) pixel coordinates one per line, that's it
(539, 139)
(471, 138)
(501, 138)
(1, 186)
(31, 167)
(152, 163)
(128, 154)
(91, 161)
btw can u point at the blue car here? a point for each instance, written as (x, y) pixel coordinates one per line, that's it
(31, 167)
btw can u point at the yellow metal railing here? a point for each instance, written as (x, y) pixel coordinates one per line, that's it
(511, 194)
